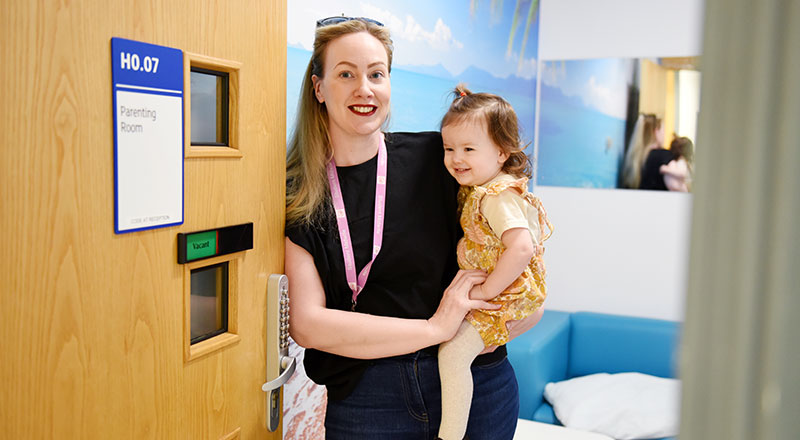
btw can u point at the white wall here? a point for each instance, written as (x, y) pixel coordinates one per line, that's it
(576, 29)
(618, 251)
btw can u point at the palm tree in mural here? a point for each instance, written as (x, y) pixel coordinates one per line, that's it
(496, 7)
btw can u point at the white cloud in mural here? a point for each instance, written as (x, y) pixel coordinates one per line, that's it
(526, 68)
(553, 73)
(440, 38)
(605, 99)
(610, 98)
(416, 45)
(302, 23)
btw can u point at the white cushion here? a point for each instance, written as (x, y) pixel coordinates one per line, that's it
(623, 406)
(530, 430)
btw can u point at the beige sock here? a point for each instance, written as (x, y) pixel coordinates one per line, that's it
(455, 358)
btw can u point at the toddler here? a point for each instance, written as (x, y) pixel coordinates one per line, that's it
(503, 230)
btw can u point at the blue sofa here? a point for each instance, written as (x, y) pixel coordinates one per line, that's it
(564, 345)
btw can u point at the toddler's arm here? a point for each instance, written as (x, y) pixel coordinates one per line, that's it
(517, 256)
(676, 175)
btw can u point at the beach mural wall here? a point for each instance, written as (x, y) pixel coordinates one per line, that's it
(489, 45)
(583, 110)
(588, 109)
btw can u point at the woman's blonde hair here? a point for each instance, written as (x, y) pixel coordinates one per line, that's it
(644, 135)
(500, 121)
(309, 148)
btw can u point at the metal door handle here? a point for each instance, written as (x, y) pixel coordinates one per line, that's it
(288, 365)
(277, 345)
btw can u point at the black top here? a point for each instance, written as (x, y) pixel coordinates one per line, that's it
(417, 260)
(651, 175)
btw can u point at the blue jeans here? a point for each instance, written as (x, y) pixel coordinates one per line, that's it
(400, 398)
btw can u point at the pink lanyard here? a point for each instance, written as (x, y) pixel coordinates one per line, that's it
(356, 285)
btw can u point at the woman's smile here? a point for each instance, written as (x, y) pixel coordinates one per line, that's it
(363, 110)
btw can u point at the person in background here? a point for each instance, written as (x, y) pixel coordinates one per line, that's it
(370, 253)
(677, 173)
(648, 135)
(504, 227)
(668, 170)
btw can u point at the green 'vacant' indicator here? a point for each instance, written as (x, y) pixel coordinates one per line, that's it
(201, 245)
(214, 242)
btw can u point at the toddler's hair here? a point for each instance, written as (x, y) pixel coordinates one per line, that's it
(682, 146)
(500, 121)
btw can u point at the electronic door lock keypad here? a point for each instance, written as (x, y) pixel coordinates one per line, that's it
(284, 321)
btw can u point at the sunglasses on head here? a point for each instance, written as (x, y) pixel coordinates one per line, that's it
(341, 19)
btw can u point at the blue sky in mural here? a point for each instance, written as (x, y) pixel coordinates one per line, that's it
(582, 122)
(437, 45)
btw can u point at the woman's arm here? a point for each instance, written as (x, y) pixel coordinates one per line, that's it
(517, 256)
(365, 336)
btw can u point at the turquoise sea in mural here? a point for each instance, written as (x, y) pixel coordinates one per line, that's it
(578, 146)
(418, 100)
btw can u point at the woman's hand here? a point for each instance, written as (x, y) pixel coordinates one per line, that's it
(456, 303)
(516, 328)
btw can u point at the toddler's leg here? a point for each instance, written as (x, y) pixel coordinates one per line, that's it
(455, 358)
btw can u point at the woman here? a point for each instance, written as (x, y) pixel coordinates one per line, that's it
(370, 247)
(648, 135)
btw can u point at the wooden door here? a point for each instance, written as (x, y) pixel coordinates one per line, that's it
(93, 341)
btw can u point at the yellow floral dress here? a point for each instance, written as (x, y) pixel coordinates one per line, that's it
(480, 249)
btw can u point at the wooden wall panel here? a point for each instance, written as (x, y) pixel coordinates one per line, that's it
(91, 320)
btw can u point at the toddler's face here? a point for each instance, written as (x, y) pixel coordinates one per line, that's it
(470, 155)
